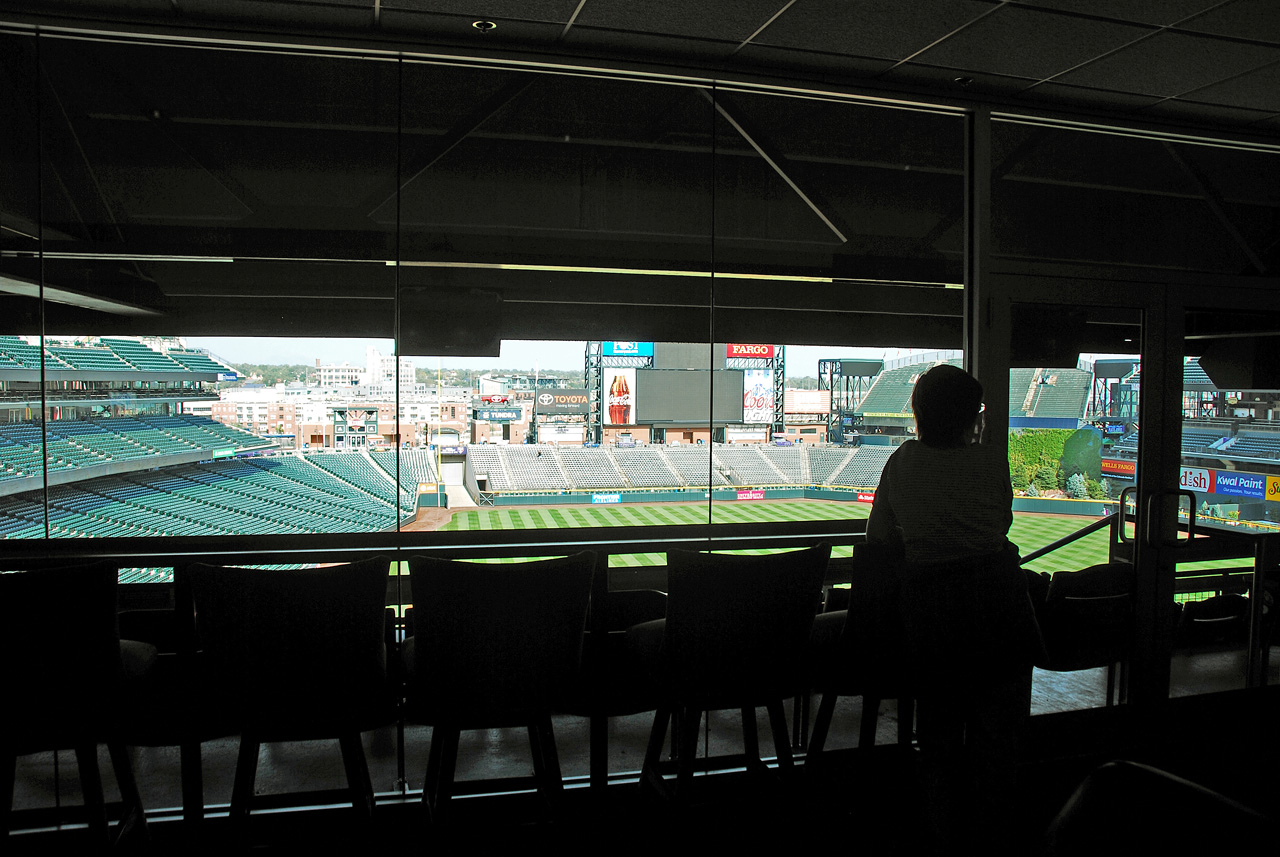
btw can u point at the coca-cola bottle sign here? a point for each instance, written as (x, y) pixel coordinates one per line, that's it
(619, 401)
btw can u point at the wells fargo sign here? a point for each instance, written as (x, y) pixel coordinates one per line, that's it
(739, 350)
(1119, 467)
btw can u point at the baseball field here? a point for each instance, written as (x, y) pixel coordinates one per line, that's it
(1029, 532)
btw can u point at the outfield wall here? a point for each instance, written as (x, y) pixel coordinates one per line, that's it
(641, 495)
(1053, 506)
(1042, 505)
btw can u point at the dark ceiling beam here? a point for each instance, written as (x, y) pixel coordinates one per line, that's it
(1214, 200)
(998, 171)
(418, 164)
(186, 140)
(811, 197)
(76, 156)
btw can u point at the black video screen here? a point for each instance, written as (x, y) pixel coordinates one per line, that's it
(681, 396)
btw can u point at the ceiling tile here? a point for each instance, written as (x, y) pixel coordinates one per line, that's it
(1170, 64)
(556, 11)
(1030, 43)
(1158, 12)
(1259, 89)
(720, 20)
(893, 29)
(1243, 19)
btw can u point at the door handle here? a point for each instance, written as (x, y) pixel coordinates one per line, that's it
(1151, 528)
(1124, 505)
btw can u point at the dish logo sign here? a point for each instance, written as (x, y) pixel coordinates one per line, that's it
(1196, 479)
(737, 350)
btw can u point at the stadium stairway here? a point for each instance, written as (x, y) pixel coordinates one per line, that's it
(458, 496)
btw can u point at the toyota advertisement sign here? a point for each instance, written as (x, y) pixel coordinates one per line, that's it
(558, 402)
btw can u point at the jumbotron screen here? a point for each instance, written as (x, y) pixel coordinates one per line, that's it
(681, 396)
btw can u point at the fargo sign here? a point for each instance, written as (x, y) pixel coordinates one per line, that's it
(739, 350)
(1119, 467)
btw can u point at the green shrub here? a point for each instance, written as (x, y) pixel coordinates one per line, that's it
(1020, 480)
(1076, 487)
(1046, 478)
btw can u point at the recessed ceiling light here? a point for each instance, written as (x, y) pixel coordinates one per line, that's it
(484, 26)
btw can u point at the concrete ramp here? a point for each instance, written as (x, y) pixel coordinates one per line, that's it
(458, 497)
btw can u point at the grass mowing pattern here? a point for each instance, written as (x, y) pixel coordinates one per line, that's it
(1029, 531)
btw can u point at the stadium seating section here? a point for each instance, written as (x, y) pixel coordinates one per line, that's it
(109, 354)
(416, 467)
(84, 443)
(526, 469)
(1264, 445)
(182, 476)
(1055, 393)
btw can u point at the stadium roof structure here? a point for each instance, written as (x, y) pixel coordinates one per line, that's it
(1191, 62)
(200, 253)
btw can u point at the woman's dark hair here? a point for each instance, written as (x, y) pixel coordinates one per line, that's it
(946, 401)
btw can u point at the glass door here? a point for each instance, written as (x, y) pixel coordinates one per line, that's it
(1092, 371)
(1230, 461)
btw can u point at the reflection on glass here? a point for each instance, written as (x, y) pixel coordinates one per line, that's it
(1133, 201)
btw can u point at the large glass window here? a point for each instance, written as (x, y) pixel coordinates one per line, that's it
(462, 296)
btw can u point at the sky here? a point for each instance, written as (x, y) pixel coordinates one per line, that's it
(527, 355)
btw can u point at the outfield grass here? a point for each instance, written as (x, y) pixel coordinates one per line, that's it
(1029, 531)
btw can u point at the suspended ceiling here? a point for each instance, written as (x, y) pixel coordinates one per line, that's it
(153, 188)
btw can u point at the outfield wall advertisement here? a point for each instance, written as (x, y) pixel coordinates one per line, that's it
(1232, 483)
